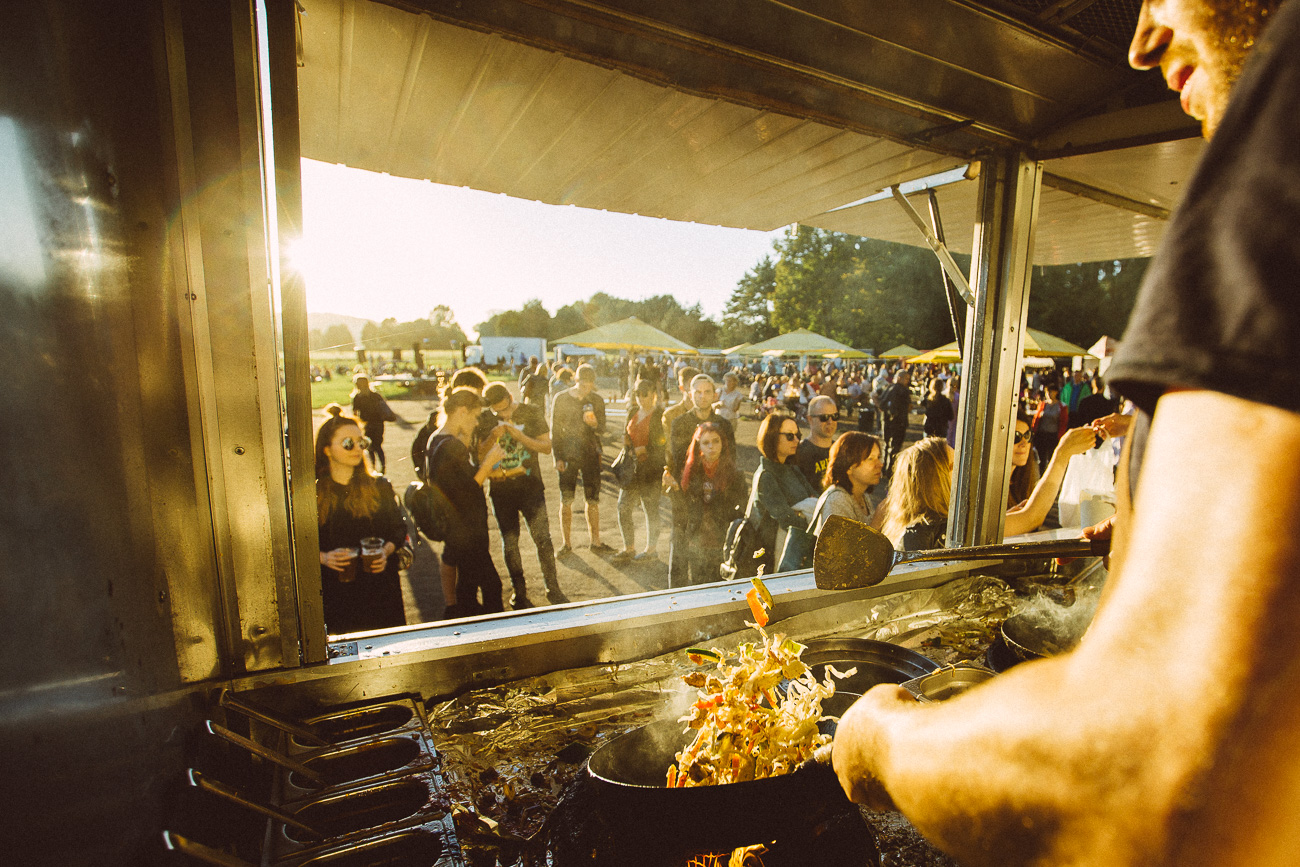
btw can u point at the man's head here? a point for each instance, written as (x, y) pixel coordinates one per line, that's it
(470, 377)
(498, 399)
(684, 378)
(903, 377)
(823, 419)
(703, 393)
(1200, 47)
(585, 377)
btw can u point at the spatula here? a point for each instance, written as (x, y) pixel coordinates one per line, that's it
(850, 555)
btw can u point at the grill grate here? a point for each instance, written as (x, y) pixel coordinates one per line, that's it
(1100, 23)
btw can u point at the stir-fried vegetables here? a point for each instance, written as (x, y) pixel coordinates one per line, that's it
(746, 728)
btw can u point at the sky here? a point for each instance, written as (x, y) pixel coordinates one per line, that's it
(377, 246)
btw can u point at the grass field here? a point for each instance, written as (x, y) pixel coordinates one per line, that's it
(339, 388)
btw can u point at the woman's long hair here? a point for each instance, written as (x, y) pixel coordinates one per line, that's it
(851, 449)
(921, 487)
(360, 498)
(1024, 478)
(726, 460)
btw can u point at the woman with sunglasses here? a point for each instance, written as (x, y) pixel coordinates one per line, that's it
(352, 503)
(1031, 496)
(778, 485)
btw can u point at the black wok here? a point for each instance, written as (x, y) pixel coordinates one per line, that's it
(1028, 638)
(631, 770)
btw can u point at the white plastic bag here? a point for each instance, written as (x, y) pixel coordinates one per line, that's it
(1088, 487)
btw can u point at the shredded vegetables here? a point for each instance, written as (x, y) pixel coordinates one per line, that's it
(745, 730)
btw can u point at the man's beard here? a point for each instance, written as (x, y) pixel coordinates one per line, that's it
(1239, 24)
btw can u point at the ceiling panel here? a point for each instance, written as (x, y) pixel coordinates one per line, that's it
(391, 91)
(413, 95)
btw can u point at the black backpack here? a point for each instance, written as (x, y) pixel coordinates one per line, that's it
(432, 512)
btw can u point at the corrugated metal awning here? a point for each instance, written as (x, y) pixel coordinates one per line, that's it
(413, 95)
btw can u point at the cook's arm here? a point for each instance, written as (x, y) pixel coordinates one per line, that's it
(1168, 735)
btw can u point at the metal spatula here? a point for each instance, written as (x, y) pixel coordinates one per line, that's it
(850, 554)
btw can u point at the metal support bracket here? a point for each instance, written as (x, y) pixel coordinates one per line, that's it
(950, 266)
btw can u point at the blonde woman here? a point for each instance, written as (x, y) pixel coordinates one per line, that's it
(914, 514)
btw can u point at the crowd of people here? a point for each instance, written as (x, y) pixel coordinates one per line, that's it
(824, 448)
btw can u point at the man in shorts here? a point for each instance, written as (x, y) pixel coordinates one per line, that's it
(577, 422)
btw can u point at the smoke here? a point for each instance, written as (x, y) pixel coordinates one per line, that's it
(1059, 627)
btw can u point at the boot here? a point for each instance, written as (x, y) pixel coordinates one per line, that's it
(519, 598)
(554, 594)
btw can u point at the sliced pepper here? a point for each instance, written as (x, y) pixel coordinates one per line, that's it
(763, 592)
(702, 655)
(756, 607)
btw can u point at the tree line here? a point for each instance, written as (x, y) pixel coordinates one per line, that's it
(869, 294)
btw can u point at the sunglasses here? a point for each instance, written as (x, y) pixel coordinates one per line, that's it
(830, 416)
(792, 437)
(349, 443)
(1022, 436)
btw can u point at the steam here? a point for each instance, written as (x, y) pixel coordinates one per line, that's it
(1061, 626)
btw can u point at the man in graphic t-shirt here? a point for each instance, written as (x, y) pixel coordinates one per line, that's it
(516, 486)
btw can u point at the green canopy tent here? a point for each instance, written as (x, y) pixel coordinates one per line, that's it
(631, 334)
(802, 342)
(902, 350)
(1038, 344)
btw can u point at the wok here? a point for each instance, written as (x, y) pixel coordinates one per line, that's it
(850, 554)
(631, 770)
(1028, 638)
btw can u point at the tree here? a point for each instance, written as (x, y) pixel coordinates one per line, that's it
(747, 317)
(338, 337)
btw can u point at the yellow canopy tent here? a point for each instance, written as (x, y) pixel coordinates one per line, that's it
(1038, 344)
(630, 333)
(801, 342)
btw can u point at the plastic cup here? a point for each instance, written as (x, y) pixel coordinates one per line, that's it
(372, 549)
(349, 573)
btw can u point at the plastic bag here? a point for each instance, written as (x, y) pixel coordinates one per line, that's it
(1088, 489)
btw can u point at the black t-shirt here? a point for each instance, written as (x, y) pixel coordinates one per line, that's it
(532, 420)
(450, 469)
(1220, 306)
(572, 438)
(812, 460)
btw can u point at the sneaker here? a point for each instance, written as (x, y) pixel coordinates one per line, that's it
(555, 596)
(564, 552)
(601, 548)
(651, 554)
(621, 557)
(519, 602)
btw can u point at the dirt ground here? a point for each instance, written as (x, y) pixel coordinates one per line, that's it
(582, 574)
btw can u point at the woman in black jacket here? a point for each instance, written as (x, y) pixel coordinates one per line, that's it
(778, 485)
(352, 503)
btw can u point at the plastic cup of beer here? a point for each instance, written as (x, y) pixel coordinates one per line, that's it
(349, 572)
(372, 549)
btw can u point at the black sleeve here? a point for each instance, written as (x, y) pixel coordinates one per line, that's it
(1220, 306)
